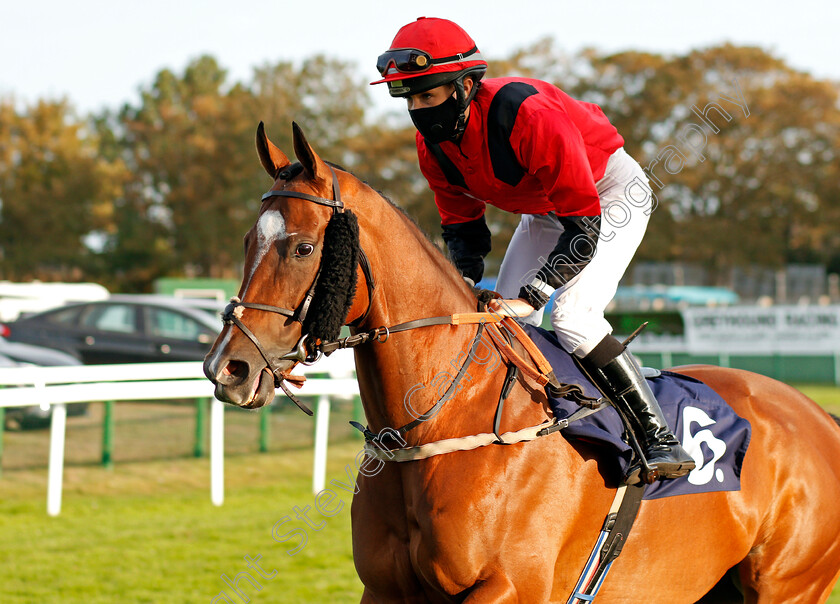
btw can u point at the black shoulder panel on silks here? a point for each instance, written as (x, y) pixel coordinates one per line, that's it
(500, 120)
(450, 170)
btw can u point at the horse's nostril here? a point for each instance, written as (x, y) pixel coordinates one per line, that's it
(236, 371)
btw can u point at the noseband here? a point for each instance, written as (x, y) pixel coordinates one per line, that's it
(304, 352)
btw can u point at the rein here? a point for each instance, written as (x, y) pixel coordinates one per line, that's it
(308, 352)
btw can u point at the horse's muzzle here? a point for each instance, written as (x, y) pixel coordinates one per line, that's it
(240, 382)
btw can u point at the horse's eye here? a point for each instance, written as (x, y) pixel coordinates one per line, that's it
(304, 249)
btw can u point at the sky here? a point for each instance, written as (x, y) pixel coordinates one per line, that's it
(99, 53)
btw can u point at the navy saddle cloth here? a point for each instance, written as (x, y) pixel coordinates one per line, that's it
(712, 433)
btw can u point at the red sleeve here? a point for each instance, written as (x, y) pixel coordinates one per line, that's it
(454, 206)
(551, 148)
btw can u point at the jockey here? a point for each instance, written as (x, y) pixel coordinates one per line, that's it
(525, 146)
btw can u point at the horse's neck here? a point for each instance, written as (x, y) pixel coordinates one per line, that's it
(413, 281)
(413, 278)
(404, 377)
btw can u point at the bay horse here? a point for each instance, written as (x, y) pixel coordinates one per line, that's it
(507, 523)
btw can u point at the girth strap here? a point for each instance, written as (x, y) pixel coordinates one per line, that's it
(614, 534)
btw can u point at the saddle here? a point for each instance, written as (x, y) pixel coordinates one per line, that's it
(571, 395)
(706, 425)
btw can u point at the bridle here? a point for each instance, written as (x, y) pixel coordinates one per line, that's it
(308, 353)
(304, 352)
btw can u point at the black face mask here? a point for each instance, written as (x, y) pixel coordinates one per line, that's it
(437, 124)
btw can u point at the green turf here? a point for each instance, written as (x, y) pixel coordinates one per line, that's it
(146, 532)
(826, 395)
(140, 534)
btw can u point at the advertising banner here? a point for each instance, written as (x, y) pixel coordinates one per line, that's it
(763, 330)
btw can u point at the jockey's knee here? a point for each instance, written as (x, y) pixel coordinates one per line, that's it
(579, 333)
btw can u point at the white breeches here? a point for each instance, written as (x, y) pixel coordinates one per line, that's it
(578, 313)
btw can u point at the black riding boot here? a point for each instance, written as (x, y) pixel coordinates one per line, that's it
(621, 381)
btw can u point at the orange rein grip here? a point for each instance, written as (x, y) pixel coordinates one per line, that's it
(536, 355)
(467, 318)
(542, 368)
(536, 374)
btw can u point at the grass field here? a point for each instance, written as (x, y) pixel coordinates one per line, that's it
(146, 532)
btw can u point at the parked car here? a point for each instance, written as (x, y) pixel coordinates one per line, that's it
(28, 354)
(17, 299)
(14, 354)
(123, 329)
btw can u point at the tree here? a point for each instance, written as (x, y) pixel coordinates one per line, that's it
(768, 169)
(196, 181)
(176, 208)
(56, 193)
(169, 186)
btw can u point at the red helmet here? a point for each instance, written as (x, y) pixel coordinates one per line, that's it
(428, 53)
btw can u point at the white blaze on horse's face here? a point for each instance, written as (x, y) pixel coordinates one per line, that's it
(271, 227)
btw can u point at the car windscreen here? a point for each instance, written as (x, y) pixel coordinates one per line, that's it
(64, 316)
(119, 318)
(166, 323)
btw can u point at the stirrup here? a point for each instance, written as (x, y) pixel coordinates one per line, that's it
(674, 465)
(633, 476)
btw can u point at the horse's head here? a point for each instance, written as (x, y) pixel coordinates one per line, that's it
(301, 259)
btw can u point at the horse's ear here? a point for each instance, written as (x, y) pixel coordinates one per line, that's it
(313, 165)
(271, 158)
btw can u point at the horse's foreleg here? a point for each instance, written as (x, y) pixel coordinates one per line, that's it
(725, 592)
(498, 589)
(368, 597)
(805, 588)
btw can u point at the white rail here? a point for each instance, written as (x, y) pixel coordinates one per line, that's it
(57, 386)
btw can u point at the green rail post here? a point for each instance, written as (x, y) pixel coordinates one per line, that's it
(265, 423)
(2, 429)
(200, 426)
(108, 435)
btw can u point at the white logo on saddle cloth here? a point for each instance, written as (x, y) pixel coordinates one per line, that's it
(703, 472)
